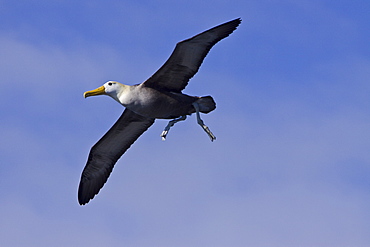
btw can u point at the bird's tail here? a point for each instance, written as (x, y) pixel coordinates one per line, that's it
(206, 104)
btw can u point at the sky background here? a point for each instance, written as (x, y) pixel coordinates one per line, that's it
(291, 163)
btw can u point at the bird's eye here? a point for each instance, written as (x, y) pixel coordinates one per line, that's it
(110, 84)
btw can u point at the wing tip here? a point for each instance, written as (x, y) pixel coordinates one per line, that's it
(82, 202)
(224, 29)
(86, 191)
(234, 23)
(237, 20)
(83, 197)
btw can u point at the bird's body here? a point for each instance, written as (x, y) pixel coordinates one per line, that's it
(159, 97)
(152, 103)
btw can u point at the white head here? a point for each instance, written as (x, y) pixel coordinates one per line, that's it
(111, 88)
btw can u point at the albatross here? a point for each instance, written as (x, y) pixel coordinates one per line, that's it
(159, 97)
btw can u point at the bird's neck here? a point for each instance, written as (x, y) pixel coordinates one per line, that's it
(124, 96)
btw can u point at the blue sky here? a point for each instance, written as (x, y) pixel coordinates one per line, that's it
(291, 163)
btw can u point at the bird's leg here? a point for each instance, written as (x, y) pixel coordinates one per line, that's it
(201, 123)
(169, 125)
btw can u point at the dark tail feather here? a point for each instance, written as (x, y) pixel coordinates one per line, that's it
(206, 104)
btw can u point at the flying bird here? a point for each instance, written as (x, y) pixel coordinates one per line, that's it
(159, 97)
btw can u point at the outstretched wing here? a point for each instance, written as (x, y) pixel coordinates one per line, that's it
(105, 153)
(187, 57)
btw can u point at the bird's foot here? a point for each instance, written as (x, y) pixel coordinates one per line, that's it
(164, 134)
(169, 125)
(201, 123)
(209, 132)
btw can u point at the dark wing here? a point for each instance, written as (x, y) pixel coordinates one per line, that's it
(187, 57)
(105, 153)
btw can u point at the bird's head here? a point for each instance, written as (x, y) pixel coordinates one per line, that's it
(111, 88)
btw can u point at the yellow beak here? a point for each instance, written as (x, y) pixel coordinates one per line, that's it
(98, 91)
